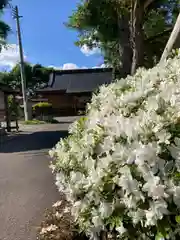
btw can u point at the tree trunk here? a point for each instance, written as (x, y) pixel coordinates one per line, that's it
(173, 40)
(125, 50)
(137, 35)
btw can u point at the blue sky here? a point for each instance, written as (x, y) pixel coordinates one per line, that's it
(45, 38)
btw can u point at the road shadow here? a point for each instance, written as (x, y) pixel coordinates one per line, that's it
(33, 141)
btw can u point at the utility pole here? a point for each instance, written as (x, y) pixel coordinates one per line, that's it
(23, 76)
(172, 40)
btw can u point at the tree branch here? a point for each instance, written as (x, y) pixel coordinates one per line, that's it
(172, 40)
(148, 3)
(158, 35)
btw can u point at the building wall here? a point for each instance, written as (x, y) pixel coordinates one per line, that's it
(60, 100)
(64, 103)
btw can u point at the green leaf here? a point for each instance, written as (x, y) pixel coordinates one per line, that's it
(159, 236)
(177, 219)
(114, 221)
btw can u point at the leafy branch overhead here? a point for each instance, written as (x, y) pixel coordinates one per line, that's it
(4, 28)
(123, 29)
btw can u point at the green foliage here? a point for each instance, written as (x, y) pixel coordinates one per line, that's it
(13, 107)
(100, 24)
(36, 76)
(3, 4)
(174, 53)
(42, 108)
(178, 219)
(42, 105)
(4, 28)
(33, 122)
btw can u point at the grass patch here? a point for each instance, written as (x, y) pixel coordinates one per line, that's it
(33, 122)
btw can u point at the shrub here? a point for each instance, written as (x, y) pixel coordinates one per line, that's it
(14, 108)
(42, 109)
(120, 166)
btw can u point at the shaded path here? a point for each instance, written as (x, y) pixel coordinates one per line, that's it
(26, 184)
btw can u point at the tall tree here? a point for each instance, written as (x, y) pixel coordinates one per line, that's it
(129, 32)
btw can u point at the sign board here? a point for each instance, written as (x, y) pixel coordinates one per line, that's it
(2, 106)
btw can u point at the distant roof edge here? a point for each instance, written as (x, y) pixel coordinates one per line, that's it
(5, 88)
(82, 70)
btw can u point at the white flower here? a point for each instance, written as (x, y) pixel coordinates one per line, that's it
(177, 141)
(58, 215)
(137, 216)
(76, 177)
(96, 220)
(155, 189)
(146, 153)
(52, 167)
(152, 103)
(129, 201)
(52, 152)
(57, 204)
(76, 208)
(163, 136)
(105, 209)
(50, 228)
(156, 212)
(176, 196)
(66, 210)
(150, 218)
(121, 230)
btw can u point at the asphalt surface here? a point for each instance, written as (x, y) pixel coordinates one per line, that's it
(26, 183)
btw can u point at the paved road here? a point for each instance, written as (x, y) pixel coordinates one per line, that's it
(26, 183)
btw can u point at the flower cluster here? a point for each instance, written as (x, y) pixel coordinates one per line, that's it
(120, 165)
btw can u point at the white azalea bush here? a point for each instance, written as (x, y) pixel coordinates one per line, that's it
(120, 165)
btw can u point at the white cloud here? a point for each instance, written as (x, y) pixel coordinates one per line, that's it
(68, 66)
(9, 55)
(89, 52)
(102, 66)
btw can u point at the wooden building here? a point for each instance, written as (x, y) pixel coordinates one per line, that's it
(5, 91)
(69, 90)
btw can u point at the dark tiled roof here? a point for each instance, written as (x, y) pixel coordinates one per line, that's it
(79, 80)
(6, 89)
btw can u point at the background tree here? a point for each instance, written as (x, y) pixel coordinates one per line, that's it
(4, 28)
(131, 33)
(36, 76)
